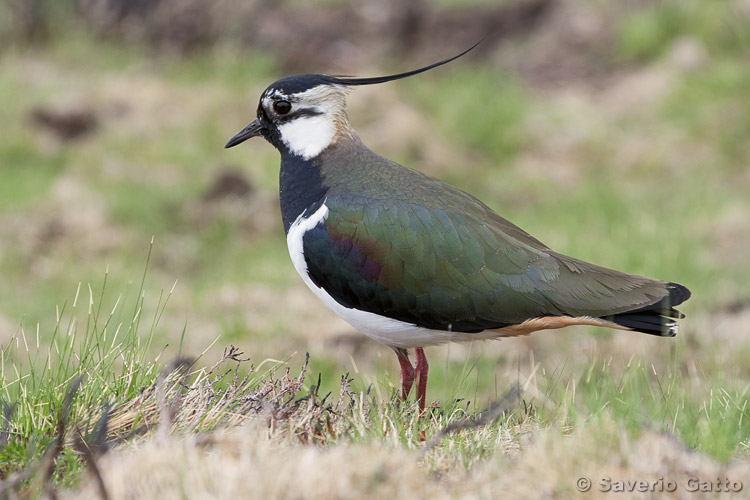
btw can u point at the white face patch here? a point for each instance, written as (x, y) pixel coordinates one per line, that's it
(308, 135)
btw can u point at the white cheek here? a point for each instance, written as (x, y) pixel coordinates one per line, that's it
(307, 136)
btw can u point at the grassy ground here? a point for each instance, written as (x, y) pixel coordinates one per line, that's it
(643, 168)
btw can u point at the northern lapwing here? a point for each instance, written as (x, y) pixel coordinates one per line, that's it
(411, 261)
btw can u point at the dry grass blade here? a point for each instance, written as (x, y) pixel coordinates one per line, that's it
(92, 466)
(487, 416)
(47, 467)
(91, 450)
(215, 398)
(98, 443)
(9, 484)
(95, 447)
(5, 432)
(167, 412)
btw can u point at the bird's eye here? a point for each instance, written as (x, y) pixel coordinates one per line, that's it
(282, 107)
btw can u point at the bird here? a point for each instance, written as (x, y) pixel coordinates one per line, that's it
(412, 261)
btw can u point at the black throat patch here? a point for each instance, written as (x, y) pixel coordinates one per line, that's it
(301, 187)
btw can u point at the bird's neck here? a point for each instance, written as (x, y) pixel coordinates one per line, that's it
(301, 187)
(302, 183)
(343, 167)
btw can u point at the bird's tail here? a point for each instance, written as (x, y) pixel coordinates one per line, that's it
(658, 318)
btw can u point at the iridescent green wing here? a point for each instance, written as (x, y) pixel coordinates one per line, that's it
(444, 270)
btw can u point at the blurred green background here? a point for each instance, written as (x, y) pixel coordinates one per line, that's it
(616, 132)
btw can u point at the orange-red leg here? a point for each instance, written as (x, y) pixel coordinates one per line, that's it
(411, 374)
(407, 372)
(420, 370)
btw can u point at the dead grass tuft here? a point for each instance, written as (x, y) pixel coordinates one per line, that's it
(246, 463)
(221, 396)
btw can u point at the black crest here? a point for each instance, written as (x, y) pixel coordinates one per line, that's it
(300, 83)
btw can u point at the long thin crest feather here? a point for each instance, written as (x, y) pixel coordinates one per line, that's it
(389, 78)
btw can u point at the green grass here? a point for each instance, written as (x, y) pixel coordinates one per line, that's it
(104, 341)
(28, 174)
(712, 420)
(646, 34)
(711, 115)
(476, 108)
(98, 341)
(110, 355)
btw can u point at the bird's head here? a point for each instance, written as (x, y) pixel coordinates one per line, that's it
(305, 114)
(302, 114)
